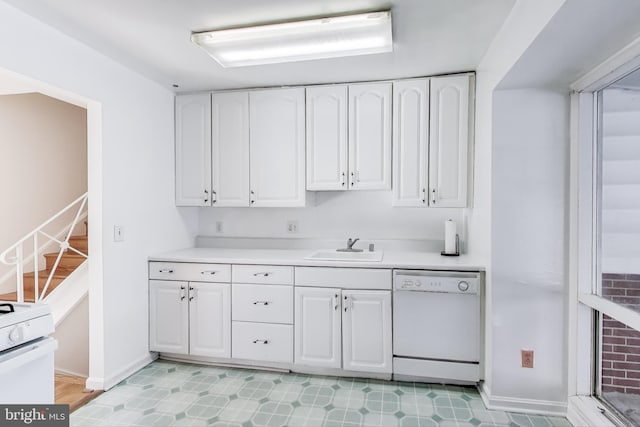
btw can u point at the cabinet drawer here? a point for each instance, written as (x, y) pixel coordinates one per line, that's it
(268, 274)
(260, 303)
(350, 278)
(262, 341)
(190, 272)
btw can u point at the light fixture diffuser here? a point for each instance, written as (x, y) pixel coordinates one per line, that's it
(348, 35)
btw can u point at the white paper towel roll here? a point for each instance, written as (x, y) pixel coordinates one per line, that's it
(449, 237)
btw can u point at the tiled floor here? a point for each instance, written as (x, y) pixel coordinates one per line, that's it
(166, 393)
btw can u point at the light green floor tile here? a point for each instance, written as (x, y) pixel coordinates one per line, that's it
(382, 401)
(272, 414)
(353, 399)
(381, 420)
(419, 405)
(239, 410)
(316, 395)
(307, 416)
(181, 394)
(285, 392)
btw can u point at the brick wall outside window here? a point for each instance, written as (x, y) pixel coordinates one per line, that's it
(621, 344)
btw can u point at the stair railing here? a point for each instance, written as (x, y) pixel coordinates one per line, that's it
(14, 255)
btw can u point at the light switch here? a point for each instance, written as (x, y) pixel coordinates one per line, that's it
(118, 233)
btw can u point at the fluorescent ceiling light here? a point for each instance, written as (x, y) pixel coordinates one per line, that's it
(349, 35)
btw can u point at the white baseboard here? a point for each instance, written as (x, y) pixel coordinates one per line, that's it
(96, 383)
(69, 372)
(526, 406)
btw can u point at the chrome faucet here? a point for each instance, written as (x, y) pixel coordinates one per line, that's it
(349, 247)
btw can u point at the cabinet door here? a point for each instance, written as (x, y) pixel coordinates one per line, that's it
(168, 317)
(327, 138)
(370, 136)
(230, 149)
(277, 157)
(366, 335)
(410, 142)
(193, 150)
(210, 319)
(449, 141)
(317, 327)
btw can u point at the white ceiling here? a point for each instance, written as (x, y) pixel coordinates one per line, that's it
(582, 34)
(152, 37)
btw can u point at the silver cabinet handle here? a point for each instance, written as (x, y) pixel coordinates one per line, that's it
(424, 195)
(252, 198)
(343, 179)
(346, 306)
(337, 299)
(182, 293)
(213, 194)
(265, 274)
(261, 341)
(192, 293)
(352, 179)
(433, 196)
(209, 272)
(261, 302)
(206, 196)
(165, 270)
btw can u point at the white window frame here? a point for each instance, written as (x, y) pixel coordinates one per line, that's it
(584, 246)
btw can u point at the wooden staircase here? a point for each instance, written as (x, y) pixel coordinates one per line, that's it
(68, 263)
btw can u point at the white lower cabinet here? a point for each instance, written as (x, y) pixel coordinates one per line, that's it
(168, 317)
(269, 320)
(190, 318)
(209, 319)
(267, 342)
(318, 325)
(366, 331)
(364, 317)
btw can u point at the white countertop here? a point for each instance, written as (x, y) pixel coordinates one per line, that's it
(391, 259)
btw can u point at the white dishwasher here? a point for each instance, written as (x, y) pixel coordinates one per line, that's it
(436, 326)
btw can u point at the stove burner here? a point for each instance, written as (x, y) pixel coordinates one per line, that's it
(6, 308)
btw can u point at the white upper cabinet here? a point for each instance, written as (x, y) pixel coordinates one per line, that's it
(230, 149)
(410, 142)
(366, 331)
(370, 136)
(327, 166)
(449, 140)
(277, 139)
(193, 150)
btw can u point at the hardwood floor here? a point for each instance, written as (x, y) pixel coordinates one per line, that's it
(70, 390)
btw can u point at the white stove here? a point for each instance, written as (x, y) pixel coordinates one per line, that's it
(23, 322)
(26, 353)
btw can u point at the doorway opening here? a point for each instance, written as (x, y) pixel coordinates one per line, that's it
(63, 158)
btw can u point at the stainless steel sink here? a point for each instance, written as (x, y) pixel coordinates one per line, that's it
(334, 255)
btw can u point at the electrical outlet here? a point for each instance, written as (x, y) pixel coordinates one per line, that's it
(292, 226)
(118, 233)
(219, 227)
(527, 358)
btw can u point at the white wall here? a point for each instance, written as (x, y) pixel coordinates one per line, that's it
(130, 127)
(529, 243)
(72, 355)
(334, 215)
(43, 166)
(621, 181)
(526, 20)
